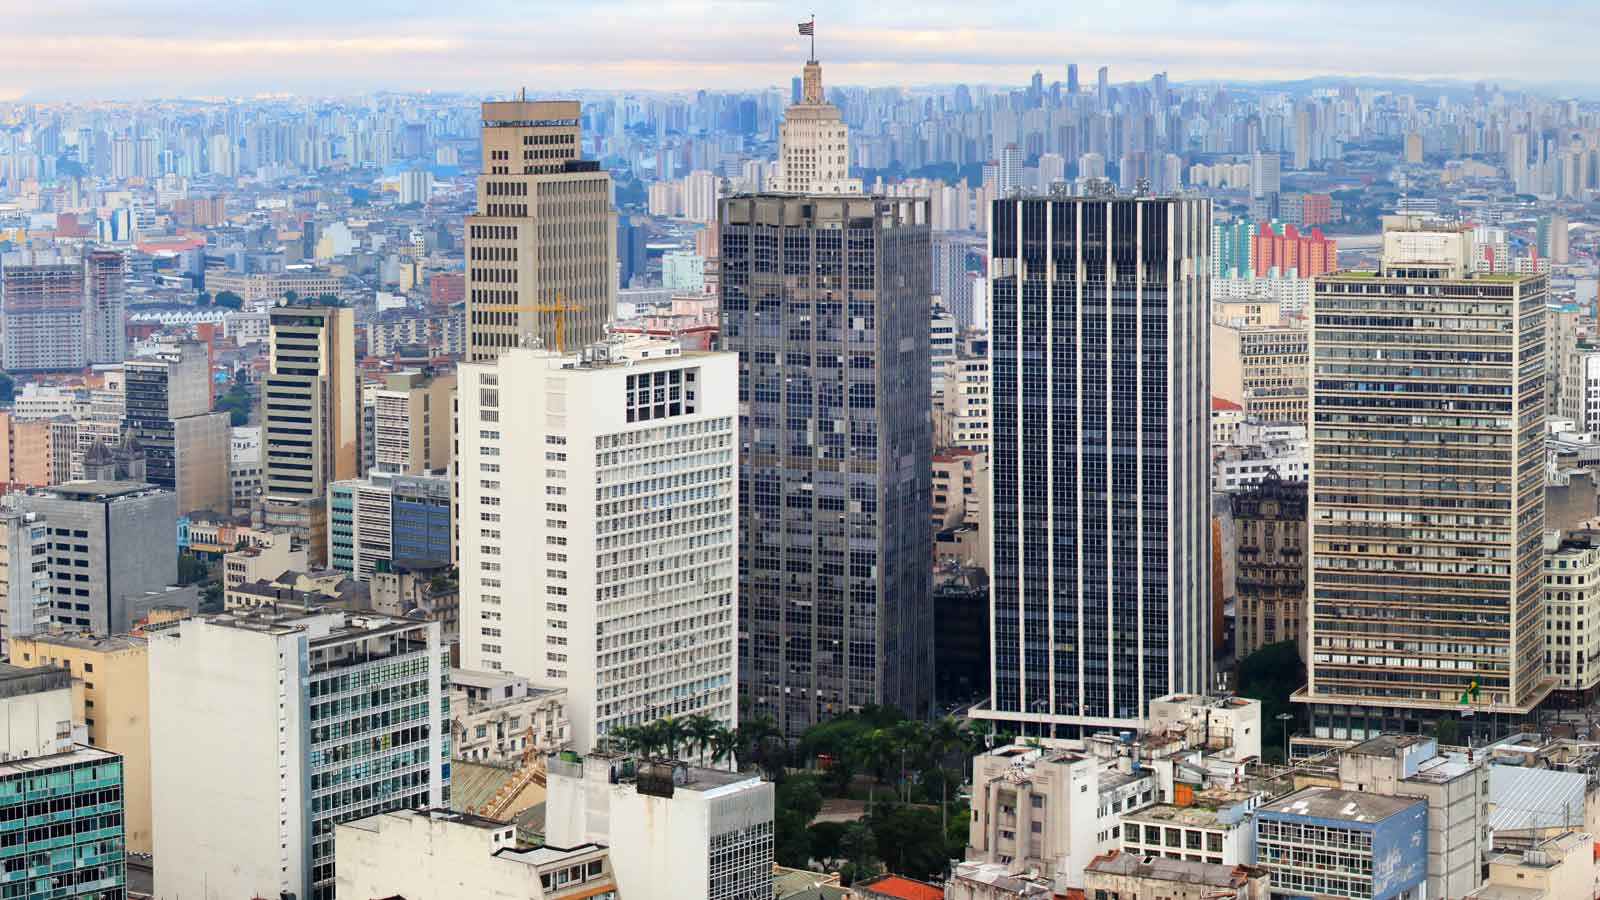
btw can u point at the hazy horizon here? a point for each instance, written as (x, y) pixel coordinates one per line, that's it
(99, 49)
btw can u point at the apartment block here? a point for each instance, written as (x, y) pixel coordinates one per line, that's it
(1572, 611)
(167, 410)
(268, 730)
(598, 499)
(42, 317)
(1270, 580)
(384, 519)
(411, 423)
(26, 593)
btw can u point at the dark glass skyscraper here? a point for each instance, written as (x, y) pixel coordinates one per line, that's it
(825, 299)
(1100, 351)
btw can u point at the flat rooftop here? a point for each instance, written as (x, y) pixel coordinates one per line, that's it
(1387, 745)
(82, 640)
(1160, 868)
(1347, 806)
(79, 754)
(99, 490)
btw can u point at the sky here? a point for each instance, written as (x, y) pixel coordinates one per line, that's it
(119, 49)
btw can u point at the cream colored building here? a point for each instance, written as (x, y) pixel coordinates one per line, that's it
(965, 414)
(24, 575)
(814, 143)
(432, 854)
(496, 717)
(1252, 312)
(1265, 369)
(1572, 609)
(270, 288)
(598, 497)
(1563, 867)
(263, 561)
(411, 423)
(111, 697)
(544, 232)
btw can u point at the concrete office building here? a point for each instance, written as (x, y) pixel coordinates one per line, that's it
(825, 299)
(383, 519)
(1101, 585)
(167, 410)
(111, 698)
(1265, 369)
(436, 854)
(267, 730)
(1321, 842)
(1427, 510)
(544, 233)
(310, 418)
(42, 317)
(814, 143)
(597, 499)
(25, 589)
(108, 540)
(712, 830)
(411, 423)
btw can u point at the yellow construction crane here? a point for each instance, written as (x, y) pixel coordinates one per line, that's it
(560, 306)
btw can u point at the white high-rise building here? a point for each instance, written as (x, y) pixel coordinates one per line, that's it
(598, 503)
(700, 196)
(814, 143)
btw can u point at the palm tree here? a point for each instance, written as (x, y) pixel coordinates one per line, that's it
(753, 738)
(649, 738)
(701, 730)
(624, 738)
(723, 743)
(874, 750)
(672, 735)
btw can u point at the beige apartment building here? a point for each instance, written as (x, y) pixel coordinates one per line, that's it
(1427, 491)
(111, 694)
(1270, 536)
(25, 451)
(1265, 369)
(411, 422)
(1572, 611)
(544, 234)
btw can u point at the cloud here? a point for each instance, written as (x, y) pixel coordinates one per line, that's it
(95, 48)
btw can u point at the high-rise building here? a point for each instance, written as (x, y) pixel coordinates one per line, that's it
(411, 423)
(814, 143)
(1266, 173)
(1072, 78)
(109, 541)
(825, 299)
(1427, 490)
(1101, 408)
(42, 316)
(167, 409)
(542, 246)
(1270, 534)
(268, 729)
(105, 307)
(597, 500)
(311, 418)
(1010, 173)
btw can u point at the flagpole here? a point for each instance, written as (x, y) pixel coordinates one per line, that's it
(813, 37)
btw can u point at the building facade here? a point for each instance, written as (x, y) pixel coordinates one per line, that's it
(544, 234)
(825, 299)
(814, 143)
(598, 497)
(109, 540)
(1427, 490)
(1100, 353)
(1571, 604)
(345, 714)
(42, 317)
(167, 410)
(105, 307)
(26, 594)
(1270, 581)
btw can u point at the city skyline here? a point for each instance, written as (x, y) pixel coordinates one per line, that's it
(85, 49)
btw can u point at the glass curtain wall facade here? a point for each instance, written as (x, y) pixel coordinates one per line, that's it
(1101, 590)
(826, 299)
